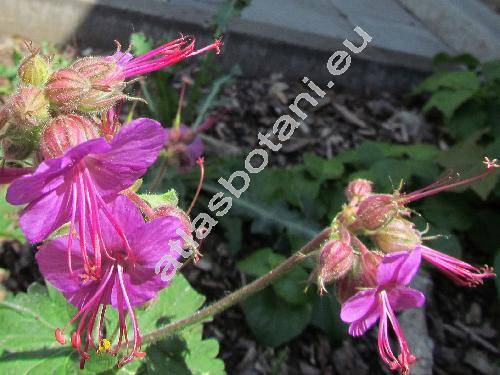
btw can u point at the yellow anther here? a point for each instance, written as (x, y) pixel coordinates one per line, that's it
(104, 346)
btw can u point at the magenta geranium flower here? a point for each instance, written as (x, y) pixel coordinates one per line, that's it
(184, 147)
(391, 294)
(128, 275)
(75, 186)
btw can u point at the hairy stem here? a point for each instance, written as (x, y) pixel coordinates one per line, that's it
(240, 294)
(137, 200)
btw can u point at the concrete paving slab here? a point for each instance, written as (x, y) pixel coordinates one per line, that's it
(465, 25)
(288, 36)
(392, 26)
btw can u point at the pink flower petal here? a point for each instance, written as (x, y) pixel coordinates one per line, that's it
(46, 214)
(358, 306)
(133, 150)
(399, 268)
(48, 176)
(405, 298)
(53, 264)
(359, 327)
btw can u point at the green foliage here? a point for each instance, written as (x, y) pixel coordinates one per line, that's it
(467, 95)
(8, 71)
(280, 313)
(273, 321)
(9, 226)
(155, 200)
(28, 321)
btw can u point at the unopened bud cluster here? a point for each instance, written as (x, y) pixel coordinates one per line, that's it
(383, 219)
(379, 217)
(53, 110)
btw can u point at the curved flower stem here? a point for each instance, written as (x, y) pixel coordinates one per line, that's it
(240, 294)
(137, 200)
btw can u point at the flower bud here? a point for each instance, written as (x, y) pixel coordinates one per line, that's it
(375, 211)
(99, 101)
(398, 235)
(107, 83)
(172, 210)
(27, 108)
(21, 121)
(34, 70)
(335, 260)
(368, 266)
(18, 143)
(358, 189)
(347, 286)
(65, 132)
(363, 275)
(66, 88)
(101, 71)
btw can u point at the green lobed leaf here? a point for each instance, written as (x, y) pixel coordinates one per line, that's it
(467, 120)
(448, 212)
(321, 168)
(28, 321)
(326, 315)
(290, 287)
(272, 320)
(467, 159)
(459, 81)
(268, 216)
(448, 101)
(27, 343)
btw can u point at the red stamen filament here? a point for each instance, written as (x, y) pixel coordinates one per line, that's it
(200, 162)
(405, 358)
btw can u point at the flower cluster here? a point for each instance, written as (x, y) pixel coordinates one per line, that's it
(99, 246)
(372, 284)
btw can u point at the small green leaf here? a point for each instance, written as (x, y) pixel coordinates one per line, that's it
(454, 81)
(290, 287)
(9, 226)
(467, 159)
(155, 200)
(260, 262)
(447, 101)
(140, 43)
(491, 70)
(323, 169)
(467, 120)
